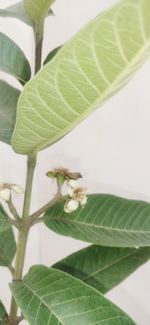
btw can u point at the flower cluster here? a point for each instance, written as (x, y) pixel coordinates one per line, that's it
(6, 189)
(77, 196)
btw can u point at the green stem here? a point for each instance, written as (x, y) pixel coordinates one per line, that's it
(25, 221)
(38, 35)
(23, 234)
(13, 209)
(35, 216)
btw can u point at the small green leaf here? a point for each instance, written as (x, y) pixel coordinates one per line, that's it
(13, 60)
(86, 71)
(8, 105)
(7, 240)
(104, 267)
(52, 54)
(105, 220)
(49, 297)
(3, 314)
(17, 11)
(37, 10)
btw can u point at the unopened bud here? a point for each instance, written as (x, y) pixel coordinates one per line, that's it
(5, 194)
(70, 206)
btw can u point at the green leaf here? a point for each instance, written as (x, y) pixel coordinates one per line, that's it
(104, 267)
(3, 314)
(17, 11)
(8, 104)
(7, 240)
(49, 297)
(52, 54)
(13, 60)
(90, 68)
(37, 10)
(105, 220)
(4, 222)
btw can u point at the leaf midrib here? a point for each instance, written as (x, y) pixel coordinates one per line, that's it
(99, 226)
(109, 265)
(42, 302)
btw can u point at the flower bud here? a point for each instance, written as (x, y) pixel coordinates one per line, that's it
(70, 206)
(5, 194)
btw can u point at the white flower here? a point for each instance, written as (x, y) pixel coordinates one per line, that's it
(6, 189)
(71, 186)
(77, 195)
(70, 206)
(83, 201)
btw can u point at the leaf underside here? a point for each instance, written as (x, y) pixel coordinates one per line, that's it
(103, 267)
(105, 220)
(51, 297)
(8, 105)
(86, 71)
(17, 11)
(37, 10)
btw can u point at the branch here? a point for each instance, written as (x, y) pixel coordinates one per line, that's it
(13, 222)
(13, 210)
(35, 216)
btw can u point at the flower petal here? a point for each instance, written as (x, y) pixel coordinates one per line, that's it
(83, 201)
(72, 183)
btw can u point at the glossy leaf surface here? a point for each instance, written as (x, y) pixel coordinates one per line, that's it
(51, 297)
(105, 220)
(104, 267)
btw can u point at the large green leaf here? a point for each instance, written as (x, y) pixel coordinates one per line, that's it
(37, 10)
(49, 297)
(90, 68)
(8, 104)
(17, 11)
(104, 267)
(3, 314)
(13, 60)
(105, 220)
(7, 240)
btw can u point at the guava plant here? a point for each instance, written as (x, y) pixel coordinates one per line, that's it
(73, 81)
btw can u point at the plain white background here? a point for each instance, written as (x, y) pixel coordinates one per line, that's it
(111, 149)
